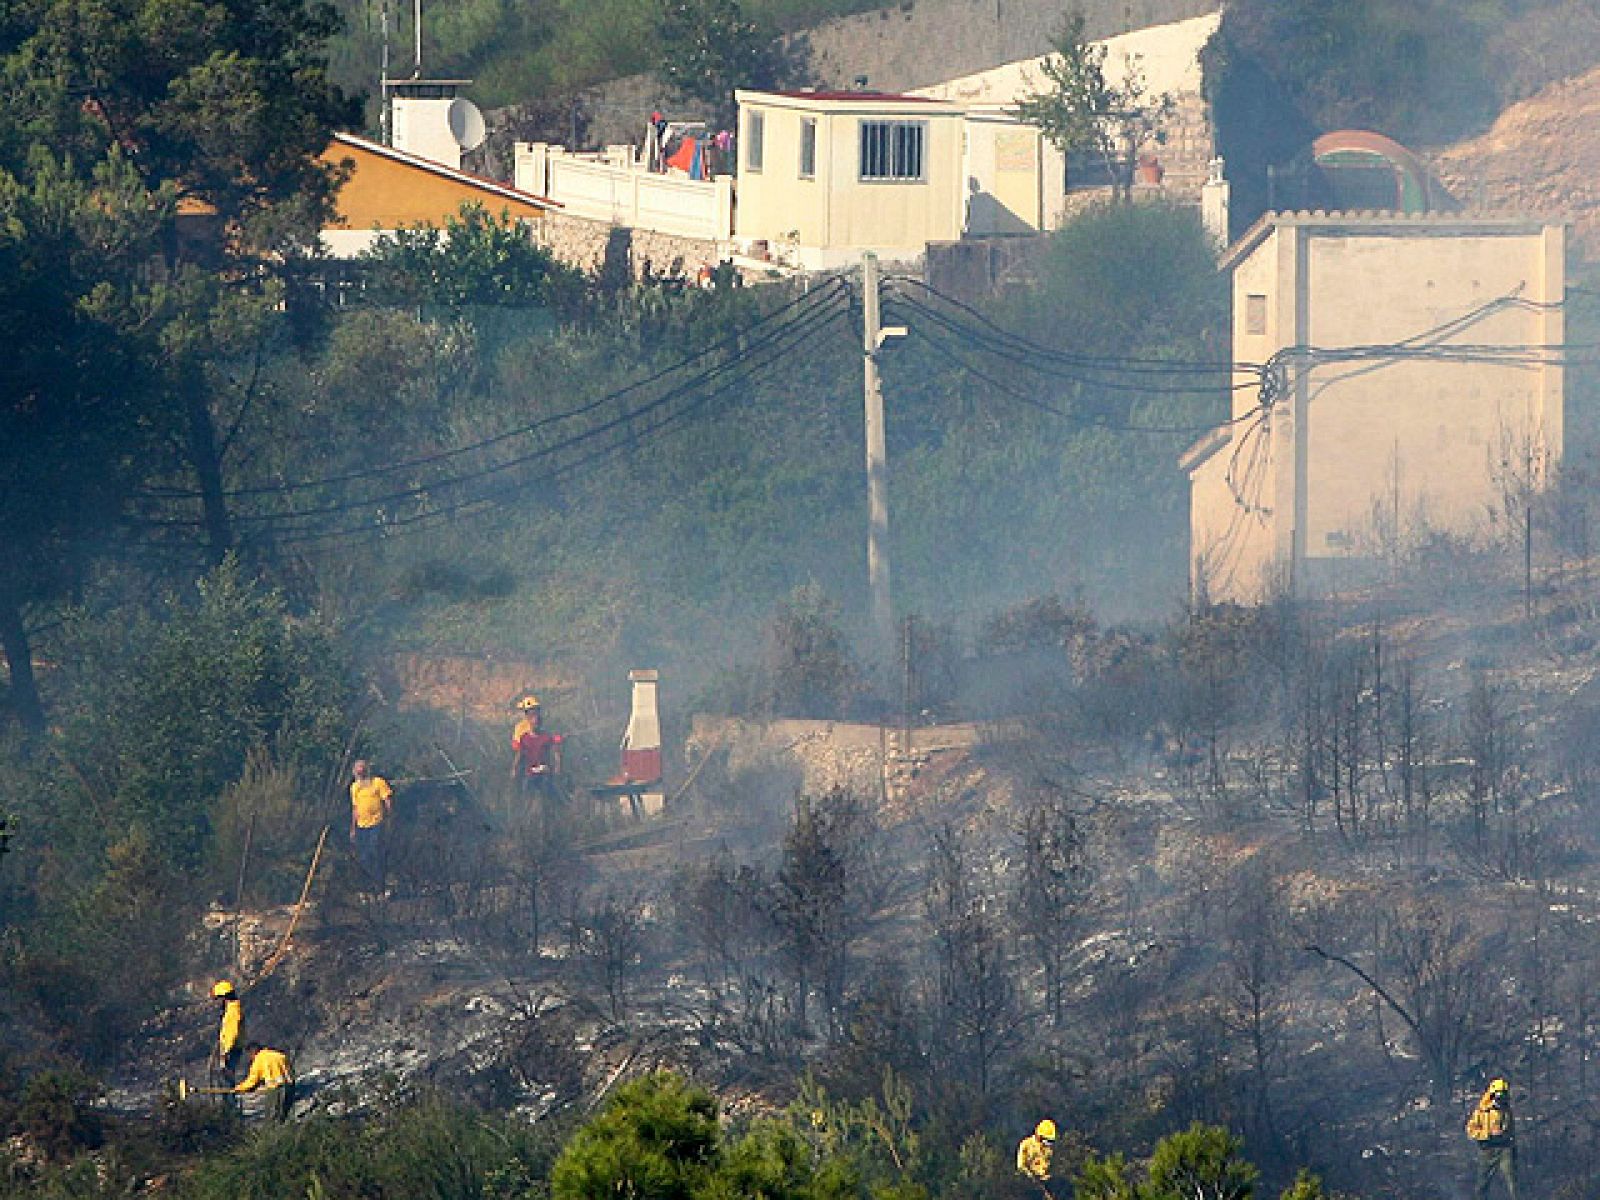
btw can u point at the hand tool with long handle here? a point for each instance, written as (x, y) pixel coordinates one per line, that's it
(185, 1091)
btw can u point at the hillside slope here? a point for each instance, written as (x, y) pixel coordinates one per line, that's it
(1257, 824)
(1542, 156)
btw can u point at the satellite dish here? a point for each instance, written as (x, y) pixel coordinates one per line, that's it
(466, 123)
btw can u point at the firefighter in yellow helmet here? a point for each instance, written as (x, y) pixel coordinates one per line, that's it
(1035, 1151)
(1493, 1128)
(270, 1070)
(535, 754)
(230, 1034)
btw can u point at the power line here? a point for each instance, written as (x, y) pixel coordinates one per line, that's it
(1087, 422)
(805, 329)
(1040, 366)
(785, 331)
(1132, 365)
(834, 286)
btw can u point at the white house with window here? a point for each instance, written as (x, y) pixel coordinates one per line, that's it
(824, 176)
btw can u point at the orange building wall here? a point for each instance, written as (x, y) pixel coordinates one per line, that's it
(381, 194)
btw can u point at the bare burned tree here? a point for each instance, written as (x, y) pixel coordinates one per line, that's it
(974, 997)
(723, 915)
(1051, 889)
(1215, 653)
(1429, 973)
(608, 941)
(541, 870)
(823, 899)
(1305, 737)
(1414, 752)
(1257, 978)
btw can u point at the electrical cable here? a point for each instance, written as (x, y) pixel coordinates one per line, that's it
(827, 292)
(420, 489)
(1086, 422)
(805, 329)
(1127, 365)
(502, 493)
(1210, 386)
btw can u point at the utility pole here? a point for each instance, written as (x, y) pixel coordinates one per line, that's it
(873, 336)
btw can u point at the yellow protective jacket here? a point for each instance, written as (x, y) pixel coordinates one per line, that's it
(1491, 1124)
(1033, 1158)
(268, 1069)
(232, 1026)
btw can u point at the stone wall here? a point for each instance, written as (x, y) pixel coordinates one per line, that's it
(910, 45)
(922, 42)
(616, 252)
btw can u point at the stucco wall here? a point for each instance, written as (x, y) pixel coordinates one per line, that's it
(836, 209)
(916, 44)
(1417, 438)
(616, 188)
(1390, 447)
(385, 194)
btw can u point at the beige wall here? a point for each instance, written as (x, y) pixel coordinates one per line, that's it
(831, 218)
(1360, 457)
(1006, 163)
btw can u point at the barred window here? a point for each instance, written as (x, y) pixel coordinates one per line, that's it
(808, 147)
(892, 149)
(755, 128)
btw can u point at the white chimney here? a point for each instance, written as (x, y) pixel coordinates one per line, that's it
(641, 745)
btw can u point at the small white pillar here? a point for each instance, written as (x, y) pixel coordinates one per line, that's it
(1214, 199)
(531, 168)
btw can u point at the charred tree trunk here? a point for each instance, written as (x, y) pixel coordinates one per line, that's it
(206, 457)
(19, 661)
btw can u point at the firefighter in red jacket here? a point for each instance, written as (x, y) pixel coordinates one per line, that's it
(535, 754)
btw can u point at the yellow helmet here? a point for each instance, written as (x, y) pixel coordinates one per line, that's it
(1046, 1130)
(1496, 1086)
(528, 703)
(222, 988)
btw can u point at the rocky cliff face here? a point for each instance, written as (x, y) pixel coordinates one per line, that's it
(1542, 156)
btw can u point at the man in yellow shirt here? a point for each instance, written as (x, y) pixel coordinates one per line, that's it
(1035, 1152)
(371, 804)
(270, 1069)
(229, 1033)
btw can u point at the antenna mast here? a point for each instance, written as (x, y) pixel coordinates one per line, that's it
(416, 21)
(385, 129)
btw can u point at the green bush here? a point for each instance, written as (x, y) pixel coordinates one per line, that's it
(1306, 1186)
(168, 709)
(657, 1138)
(478, 258)
(1200, 1163)
(423, 1149)
(1108, 1178)
(56, 1114)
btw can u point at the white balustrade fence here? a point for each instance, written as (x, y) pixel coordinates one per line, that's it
(614, 188)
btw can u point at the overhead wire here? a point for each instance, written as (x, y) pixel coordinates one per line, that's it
(1087, 421)
(1211, 378)
(507, 491)
(801, 330)
(417, 490)
(1128, 364)
(834, 287)
(1289, 366)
